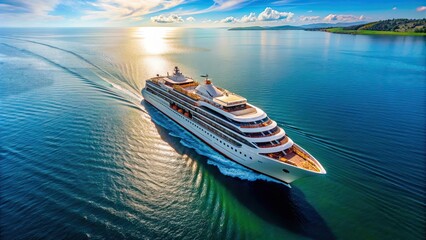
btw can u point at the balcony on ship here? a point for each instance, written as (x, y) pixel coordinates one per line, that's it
(256, 125)
(273, 143)
(263, 134)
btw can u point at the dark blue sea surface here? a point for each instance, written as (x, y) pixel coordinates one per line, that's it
(82, 156)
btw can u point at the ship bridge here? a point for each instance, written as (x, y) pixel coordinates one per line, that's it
(177, 78)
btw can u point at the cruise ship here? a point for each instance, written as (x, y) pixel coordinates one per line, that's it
(228, 123)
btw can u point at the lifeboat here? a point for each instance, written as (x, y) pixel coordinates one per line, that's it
(180, 110)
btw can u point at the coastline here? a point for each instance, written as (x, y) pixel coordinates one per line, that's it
(372, 32)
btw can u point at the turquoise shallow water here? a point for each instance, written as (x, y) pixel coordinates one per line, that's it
(83, 156)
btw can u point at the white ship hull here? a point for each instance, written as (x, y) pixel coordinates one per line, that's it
(245, 155)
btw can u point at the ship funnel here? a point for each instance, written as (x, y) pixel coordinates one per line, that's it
(207, 80)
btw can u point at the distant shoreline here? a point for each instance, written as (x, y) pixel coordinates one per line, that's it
(336, 30)
(392, 27)
(371, 32)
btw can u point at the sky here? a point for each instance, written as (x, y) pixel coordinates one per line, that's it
(200, 13)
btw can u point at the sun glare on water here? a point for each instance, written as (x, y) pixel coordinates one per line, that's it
(153, 45)
(153, 40)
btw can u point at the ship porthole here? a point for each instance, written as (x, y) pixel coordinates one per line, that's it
(285, 170)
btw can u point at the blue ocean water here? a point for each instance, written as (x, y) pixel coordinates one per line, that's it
(82, 156)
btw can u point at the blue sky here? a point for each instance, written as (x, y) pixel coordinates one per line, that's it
(200, 13)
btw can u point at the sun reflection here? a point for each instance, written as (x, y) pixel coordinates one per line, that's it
(153, 40)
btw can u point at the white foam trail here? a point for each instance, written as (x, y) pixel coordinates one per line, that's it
(137, 97)
(226, 167)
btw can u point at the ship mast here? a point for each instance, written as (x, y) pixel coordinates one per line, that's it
(177, 71)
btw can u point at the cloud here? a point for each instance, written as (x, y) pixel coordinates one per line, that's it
(394, 8)
(24, 13)
(250, 18)
(421, 9)
(282, 2)
(267, 15)
(36, 7)
(343, 18)
(229, 20)
(190, 19)
(171, 18)
(245, 19)
(270, 14)
(227, 4)
(309, 18)
(124, 9)
(220, 5)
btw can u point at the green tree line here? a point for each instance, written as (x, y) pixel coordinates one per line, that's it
(395, 25)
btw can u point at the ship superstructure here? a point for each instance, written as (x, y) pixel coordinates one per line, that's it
(228, 123)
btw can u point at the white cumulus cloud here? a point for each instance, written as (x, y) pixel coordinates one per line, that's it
(229, 20)
(394, 8)
(190, 19)
(245, 19)
(309, 18)
(250, 18)
(270, 14)
(342, 18)
(171, 18)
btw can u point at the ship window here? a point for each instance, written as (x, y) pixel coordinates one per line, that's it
(232, 148)
(251, 158)
(245, 155)
(285, 170)
(240, 153)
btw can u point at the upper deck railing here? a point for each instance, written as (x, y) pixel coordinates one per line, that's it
(282, 141)
(268, 133)
(264, 124)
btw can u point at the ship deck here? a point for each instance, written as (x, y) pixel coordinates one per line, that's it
(298, 157)
(296, 160)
